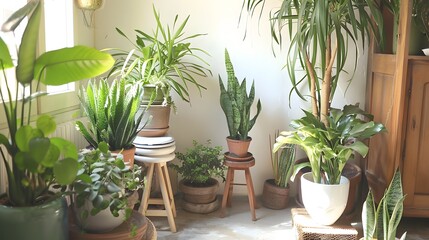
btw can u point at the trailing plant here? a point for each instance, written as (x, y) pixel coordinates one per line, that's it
(105, 181)
(329, 147)
(38, 162)
(381, 221)
(112, 112)
(200, 163)
(236, 103)
(282, 162)
(321, 33)
(165, 59)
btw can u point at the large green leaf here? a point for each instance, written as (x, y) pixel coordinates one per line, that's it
(71, 64)
(65, 171)
(46, 124)
(5, 59)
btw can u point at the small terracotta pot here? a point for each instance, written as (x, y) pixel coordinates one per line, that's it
(238, 147)
(128, 154)
(273, 196)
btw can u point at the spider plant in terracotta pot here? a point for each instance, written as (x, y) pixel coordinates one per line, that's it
(34, 162)
(275, 192)
(236, 104)
(199, 166)
(321, 35)
(112, 111)
(164, 61)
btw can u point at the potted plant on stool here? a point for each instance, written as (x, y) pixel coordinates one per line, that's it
(35, 163)
(102, 188)
(113, 115)
(236, 103)
(199, 166)
(275, 192)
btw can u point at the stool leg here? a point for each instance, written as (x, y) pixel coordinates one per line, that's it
(226, 191)
(231, 188)
(165, 197)
(251, 193)
(169, 189)
(146, 192)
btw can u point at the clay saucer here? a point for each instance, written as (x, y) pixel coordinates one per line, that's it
(233, 157)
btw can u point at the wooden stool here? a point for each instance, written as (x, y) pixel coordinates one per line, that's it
(227, 193)
(167, 194)
(307, 229)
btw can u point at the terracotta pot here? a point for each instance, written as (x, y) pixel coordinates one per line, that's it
(128, 154)
(238, 148)
(273, 196)
(203, 194)
(46, 221)
(158, 125)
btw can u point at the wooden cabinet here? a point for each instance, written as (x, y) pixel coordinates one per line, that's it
(398, 96)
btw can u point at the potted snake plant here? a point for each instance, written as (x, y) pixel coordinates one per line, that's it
(35, 163)
(163, 61)
(236, 104)
(112, 111)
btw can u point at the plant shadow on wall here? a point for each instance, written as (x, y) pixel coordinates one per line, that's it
(38, 162)
(321, 34)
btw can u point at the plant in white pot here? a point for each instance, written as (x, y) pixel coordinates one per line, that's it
(162, 62)
(236, 104)
(112, 111)
(275, 193)
(321, 35)
(199, 166)
(35, 163)
(102, 188)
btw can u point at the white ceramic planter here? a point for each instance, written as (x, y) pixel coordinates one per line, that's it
(102, 222)
(324, 203)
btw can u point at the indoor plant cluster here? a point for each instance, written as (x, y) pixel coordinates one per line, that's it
(38, 162)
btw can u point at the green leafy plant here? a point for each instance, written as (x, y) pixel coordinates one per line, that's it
(322, 33)
(200, 163)
(38, 162)
(165, 59)
(381, 222)
(328, 148)
(236, 103)
(282, 162)
(112, 112)
(105, 181)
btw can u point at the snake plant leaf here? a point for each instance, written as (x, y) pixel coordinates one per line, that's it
(5, 58)
(369, 217)
(71, 64)
(27, 48)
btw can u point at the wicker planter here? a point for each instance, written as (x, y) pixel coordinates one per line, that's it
(200, 199)
(273, 196)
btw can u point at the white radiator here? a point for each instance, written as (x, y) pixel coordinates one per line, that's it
(65, 130)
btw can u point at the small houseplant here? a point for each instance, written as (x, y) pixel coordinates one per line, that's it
(236, 104)
(37, 162)
(199, 166)
(102, 188)
(113, 115)
(381, 221)
(328, 148)
(275, 192)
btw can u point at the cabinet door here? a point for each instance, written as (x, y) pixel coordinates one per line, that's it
(416, 162)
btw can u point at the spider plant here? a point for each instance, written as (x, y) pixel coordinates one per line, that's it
(165, 59)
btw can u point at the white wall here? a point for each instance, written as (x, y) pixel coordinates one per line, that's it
(252, 58)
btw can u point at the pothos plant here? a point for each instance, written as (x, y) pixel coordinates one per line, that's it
(37, 161)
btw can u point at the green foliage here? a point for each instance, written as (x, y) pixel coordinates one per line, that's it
(380, 222)
(164, 59)
(200, 163)
(112, 112)
(104, 180)
(330, 147)
(38, 161)
(282, 162)
(236, 103)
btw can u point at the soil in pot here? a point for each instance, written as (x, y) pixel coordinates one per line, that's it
(273, 196)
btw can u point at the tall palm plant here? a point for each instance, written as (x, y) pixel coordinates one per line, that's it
(324, 33)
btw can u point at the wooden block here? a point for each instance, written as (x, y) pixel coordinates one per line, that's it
(306, 229)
